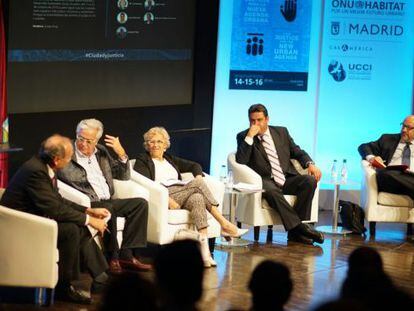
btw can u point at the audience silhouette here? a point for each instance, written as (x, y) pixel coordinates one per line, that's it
(368, 287)
(129, 291)
(179, 272)
(271, 286)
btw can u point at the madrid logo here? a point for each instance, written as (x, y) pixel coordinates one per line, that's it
(337, 71)
(335, 27)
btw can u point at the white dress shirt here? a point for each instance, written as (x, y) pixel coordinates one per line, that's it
(249, 140)
(94, 174)
(397, 156)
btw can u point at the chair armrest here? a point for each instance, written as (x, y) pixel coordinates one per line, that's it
(28, 249)
(217, 189)
(158, 202)
(243, 173)
(126, 189)
(298, 167)
(71, 194)
(369, 187)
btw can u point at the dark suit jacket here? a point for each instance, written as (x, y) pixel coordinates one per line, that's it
(145, 166)
(256, 158)
(384, 147)
(31, 190)
(75, 175)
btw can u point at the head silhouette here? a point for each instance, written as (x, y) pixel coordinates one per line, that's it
(129, 292)
(270, 295)
(368, 283)
(179, 272)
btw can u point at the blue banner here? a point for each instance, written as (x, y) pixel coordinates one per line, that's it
(270, 44)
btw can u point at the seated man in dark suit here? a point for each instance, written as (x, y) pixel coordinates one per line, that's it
(268, 150)
(393, 149)
(33, 190)
(91, 171)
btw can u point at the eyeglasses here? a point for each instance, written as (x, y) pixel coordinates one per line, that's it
(403, 125)
(85, 140)
(155, 142)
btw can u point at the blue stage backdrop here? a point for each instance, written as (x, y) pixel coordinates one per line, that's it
(336, 73)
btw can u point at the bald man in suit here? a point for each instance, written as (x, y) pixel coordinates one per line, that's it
(393, 149)
(33, 189)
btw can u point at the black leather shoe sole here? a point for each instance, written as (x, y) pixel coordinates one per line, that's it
(319, 239)
(299, 238)
(71, 294)
(311, 233)
(97, 288)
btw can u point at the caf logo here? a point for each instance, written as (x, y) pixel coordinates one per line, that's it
(337, 71)
(335, 27)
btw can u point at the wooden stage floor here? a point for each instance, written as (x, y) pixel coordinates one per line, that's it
(317, 271)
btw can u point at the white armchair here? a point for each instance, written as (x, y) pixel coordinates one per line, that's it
(383, 206)
(253, 209)
(163, 223)
(28, 253)
(124, 189)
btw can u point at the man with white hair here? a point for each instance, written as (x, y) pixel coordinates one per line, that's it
(91, 171)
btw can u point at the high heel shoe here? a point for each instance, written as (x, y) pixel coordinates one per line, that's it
(238, 234)
(212, 262)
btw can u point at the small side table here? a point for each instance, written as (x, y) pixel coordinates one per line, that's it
(334, 229)
(6, 148)
(234, 195)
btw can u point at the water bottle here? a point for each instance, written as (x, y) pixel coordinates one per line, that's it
(334, 172)
(223, 173)
(229, 184)
(344, 172)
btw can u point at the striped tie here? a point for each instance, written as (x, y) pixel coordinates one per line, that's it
(277, 172)
(406, 155)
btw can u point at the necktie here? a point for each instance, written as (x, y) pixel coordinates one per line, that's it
(406, 155)
(277, 172)
(54, 181)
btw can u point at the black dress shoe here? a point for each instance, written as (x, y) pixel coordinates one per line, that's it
(98, 287)
(71, 294)
(311, 233)
(294, 236)
(134, 265)
(115, 267)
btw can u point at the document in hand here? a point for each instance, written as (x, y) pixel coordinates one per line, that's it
(378, 164)
(174, 182)
(241, 186)
(402, 168)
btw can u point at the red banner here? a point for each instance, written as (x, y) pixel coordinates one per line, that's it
(3, 103)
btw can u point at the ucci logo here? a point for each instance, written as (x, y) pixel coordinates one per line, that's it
(337, 71)
(360, 67)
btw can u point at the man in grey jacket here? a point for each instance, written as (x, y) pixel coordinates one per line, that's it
(91, 171)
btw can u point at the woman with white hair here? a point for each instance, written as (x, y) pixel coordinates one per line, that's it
(194, 196)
